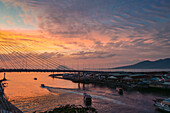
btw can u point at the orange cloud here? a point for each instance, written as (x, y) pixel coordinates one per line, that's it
(30, 41)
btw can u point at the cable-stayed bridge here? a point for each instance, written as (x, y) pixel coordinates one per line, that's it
(51, 70)
(17, 57)
(20, 58)
(23, 58)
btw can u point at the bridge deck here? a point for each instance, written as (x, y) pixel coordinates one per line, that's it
(55, 70)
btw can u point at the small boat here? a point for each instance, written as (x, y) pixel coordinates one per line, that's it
(35, 78)
(87, 99)
(162, 104)
(42, 85)
(120, 91)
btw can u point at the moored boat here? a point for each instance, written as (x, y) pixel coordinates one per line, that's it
(35, 78)
(87, 99)
(42, 85)
(163, 104)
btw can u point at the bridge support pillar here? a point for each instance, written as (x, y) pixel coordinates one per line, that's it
(78, 76)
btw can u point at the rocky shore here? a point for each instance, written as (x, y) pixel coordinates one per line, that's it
(72, 109)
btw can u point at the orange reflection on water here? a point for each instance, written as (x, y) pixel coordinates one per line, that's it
(23, 85)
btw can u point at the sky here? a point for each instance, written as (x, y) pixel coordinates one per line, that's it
(84, 33)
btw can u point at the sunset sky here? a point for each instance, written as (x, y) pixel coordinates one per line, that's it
(84, 33)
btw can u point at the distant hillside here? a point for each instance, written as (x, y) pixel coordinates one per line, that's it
(158, 64)
(62, 67)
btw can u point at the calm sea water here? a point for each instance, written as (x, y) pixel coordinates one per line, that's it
(138, 70)
(25, 93)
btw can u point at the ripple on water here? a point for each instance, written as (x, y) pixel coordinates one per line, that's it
(28, 96)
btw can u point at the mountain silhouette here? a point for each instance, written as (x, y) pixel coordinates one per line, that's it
(62, 67)
(158, 64)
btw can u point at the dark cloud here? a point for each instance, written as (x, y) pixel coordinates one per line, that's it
(136, 29)
(31, 40)
(81, 17)
(47, 55)
(62, 46)
(93, 55)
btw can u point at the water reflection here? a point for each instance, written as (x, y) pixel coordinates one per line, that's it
(4, 79)
(26, 93)
(81, 92)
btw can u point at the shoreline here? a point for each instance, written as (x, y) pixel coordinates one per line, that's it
(125, 84)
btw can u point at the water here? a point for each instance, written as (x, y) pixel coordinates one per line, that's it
(25, 93)
(138, 70)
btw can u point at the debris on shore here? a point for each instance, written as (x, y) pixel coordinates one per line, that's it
(72, 109)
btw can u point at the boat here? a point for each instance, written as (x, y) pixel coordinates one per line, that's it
(162, 104)
(87, 99)
(42, 85)
(35, 78)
